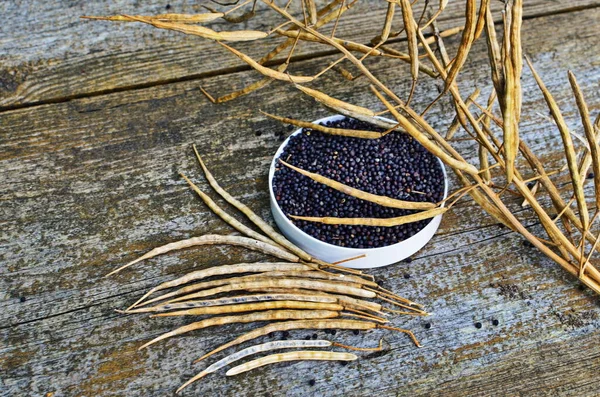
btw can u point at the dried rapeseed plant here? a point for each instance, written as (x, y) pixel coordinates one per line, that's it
(568, 238)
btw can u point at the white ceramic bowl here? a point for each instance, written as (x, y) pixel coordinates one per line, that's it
(374, 257)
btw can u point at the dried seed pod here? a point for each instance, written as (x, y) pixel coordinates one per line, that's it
(332, 131)
(346, 109)
(484, 164)
(347, 301)
(252, 307)
(460, 119)
(349, 278)
(387, 26)
(228, 218)
(330, 286)
(236, 300)
(262, 225)
(270, 315)
(267, 71)
(291, 325)
(291, 356)
(511, 107)
(586, 161)
(483, 7)
(214, 239)
(219, 271)
(333, 102)
(592, 139)
(226, 270)
(568, 146)
(344, 72)
(411, 34)
(240, 18)
(180, 18)
(240, 35)
(312, 11)
(465, 44)
(306, 324)
(280, 344)
(381, 200)
(495, 56)
(385, 222)
(246, 90)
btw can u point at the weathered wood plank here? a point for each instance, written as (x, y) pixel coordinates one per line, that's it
(41, 61)
(90, 183)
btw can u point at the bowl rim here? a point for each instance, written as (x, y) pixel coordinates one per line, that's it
(315, 240)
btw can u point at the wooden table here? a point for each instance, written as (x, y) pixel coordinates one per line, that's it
(96, 119)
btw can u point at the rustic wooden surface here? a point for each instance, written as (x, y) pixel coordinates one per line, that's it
(97, 119)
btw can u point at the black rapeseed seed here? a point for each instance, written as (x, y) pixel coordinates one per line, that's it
(394, 165)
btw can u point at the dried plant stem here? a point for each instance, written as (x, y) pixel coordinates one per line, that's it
(406, 58)
(460, 120)
(325, 16)
(350, 45)
(441, 7)
(360, 349)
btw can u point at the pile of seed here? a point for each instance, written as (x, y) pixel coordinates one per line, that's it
(395, 165)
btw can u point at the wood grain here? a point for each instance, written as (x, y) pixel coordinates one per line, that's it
(91, 183)
(48, 54)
